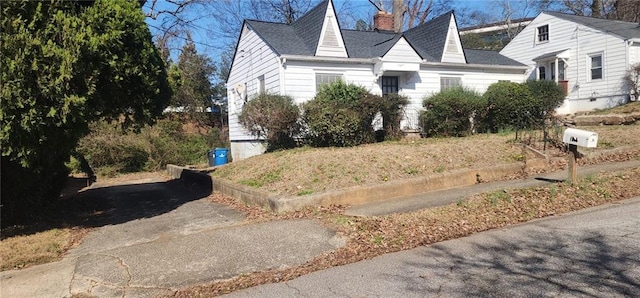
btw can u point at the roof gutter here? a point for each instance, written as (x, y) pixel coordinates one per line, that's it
(484, 66)
(284, 58)
(327, 59)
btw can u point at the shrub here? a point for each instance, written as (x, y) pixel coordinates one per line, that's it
(341, 115)
(507, 105)
(272, 117)
(449, 112)
(547, 95)
(110, 151)
(391, 109)
(632, 80)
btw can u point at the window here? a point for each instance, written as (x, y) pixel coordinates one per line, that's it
(326, 78)
(561, 67)
(542, 73)
(596, 67)
(261, 84)
(389, 85)
(553, 71)
(543, 33)
(450, 82)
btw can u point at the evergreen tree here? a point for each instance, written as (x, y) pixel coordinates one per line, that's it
(192, 81)
(63, 65)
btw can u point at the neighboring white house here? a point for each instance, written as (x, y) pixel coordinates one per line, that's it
(498, 29)
(590, 57)
(296, 59)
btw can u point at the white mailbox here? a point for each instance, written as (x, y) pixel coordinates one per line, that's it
(580, 137)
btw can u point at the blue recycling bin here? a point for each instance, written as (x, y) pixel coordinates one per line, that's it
(221, 156)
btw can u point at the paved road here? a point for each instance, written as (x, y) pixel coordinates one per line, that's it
(590, 253)
(155, 236)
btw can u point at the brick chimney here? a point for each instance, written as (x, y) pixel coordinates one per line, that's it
(383, 21)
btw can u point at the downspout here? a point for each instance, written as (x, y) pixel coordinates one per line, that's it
(555, 69)
(282, 63)
(577, 61)
(627, 61)
(627, 43)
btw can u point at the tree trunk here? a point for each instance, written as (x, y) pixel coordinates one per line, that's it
(398, 15)
(596, 8)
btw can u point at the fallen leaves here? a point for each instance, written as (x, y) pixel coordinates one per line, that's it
(373, 236)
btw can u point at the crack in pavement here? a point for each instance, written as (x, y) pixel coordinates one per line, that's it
(123, 265)
(85, 279)
(298, 292)
(73, 276)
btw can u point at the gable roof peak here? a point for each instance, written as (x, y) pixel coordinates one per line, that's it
(623, 29)
(429, 38)
(309, 26)
(319, 9)
(443, 17)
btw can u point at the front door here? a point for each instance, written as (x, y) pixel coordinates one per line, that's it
(389, 85)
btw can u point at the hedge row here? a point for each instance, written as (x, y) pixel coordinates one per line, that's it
(505, 105)
(339, 115)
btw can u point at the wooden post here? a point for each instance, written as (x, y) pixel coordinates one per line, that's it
(573, 164)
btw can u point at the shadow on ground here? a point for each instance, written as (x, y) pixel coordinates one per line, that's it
(547, 262)
(105, 204)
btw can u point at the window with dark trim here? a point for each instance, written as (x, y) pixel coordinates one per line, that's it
(542, 73)
(389, 85)
(596, 67)
(543, 33)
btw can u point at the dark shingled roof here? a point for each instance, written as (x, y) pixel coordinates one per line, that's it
(368, 44)
(282, 38)
(489, 57)
(428, 39)
(309, 26)
(621, 28)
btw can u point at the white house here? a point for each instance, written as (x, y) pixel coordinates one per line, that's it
(588, 56)
(296, 59)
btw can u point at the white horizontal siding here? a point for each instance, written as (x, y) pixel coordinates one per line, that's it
(582, 41)
(452, 51)
(420, 85)
(300, 77)
(402, 52)
(634, 54)
(331, 43)
(300, 81)
(253, 59)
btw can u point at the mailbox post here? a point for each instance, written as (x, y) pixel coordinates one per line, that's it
(574, 138)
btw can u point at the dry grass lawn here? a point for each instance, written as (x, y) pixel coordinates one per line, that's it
(20, 251)
(305, 171)
(631, 107)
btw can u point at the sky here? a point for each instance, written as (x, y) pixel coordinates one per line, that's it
(204, 29)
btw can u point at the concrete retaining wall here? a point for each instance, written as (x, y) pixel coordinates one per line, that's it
(201, 178)
(365, 194)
